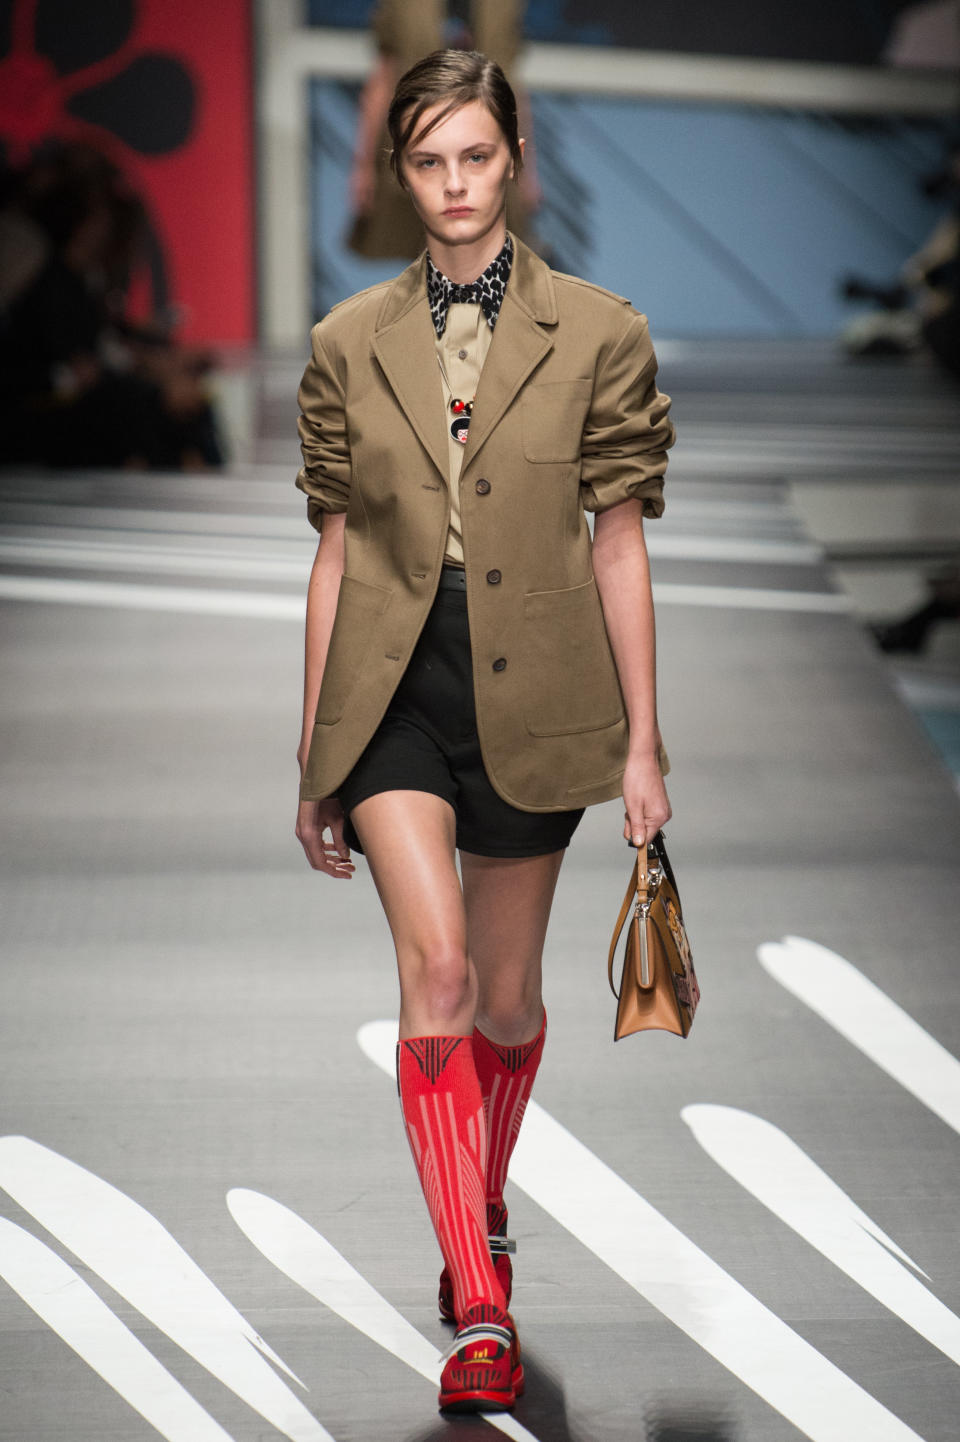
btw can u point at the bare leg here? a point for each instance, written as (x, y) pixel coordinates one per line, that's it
(408, 840)
(507, 904)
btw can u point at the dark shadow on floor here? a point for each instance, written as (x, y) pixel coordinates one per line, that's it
(666, 1422)
(543, 1411)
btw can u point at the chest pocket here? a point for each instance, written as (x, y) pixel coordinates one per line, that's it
(553, 415)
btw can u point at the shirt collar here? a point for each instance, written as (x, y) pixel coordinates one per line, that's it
(487, 290)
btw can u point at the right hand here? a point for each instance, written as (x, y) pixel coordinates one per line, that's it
(314, 818)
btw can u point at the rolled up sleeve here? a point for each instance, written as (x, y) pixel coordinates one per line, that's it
(627, 433)
(325, 474)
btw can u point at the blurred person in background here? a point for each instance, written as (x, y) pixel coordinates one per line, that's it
(80, 384)
(921, 308)
(384, 222)
(911, 633)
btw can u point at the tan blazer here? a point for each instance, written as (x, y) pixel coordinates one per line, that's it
(567, 417)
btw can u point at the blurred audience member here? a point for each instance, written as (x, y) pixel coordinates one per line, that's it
(911, 633)
(80, 385)
(926, 36)
(922, 307)
(384, 223)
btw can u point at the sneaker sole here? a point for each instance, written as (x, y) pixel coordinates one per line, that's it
(477, 1401)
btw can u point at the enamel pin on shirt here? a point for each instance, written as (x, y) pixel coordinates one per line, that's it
(462, 410)
(460, 425)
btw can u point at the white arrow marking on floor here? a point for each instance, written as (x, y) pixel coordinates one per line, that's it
(655, 1258)
(72, 1309)
(307, 1258)
(856, 1008)
(780, 1175)
(136, 1255)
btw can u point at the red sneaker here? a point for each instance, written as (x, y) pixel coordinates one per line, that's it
(478, 1371)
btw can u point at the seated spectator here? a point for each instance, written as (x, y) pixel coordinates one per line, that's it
(79, 384)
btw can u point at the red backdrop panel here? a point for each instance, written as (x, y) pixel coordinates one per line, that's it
(165, 88)
(201, 195)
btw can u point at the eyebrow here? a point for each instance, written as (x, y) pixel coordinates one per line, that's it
(466, 149)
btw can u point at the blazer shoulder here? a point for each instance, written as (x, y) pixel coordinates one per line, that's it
(585, 291)
(590, 306)
(344, 319)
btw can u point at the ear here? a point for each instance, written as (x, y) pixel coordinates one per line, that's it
(513, 169)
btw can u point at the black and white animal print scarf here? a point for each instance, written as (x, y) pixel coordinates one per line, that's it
(486, 291)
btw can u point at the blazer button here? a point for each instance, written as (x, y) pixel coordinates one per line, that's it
(500, 664)
(494, 578)
(482, 488)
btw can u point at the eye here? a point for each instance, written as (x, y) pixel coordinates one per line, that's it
(479, 155)
(427, 163)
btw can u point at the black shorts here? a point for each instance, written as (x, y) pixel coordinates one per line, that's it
(428, 741)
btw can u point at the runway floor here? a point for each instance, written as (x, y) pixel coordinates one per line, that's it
(210, 1227)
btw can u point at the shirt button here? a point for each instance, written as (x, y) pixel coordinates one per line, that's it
(500, 664)
(494, 578)
(482, 487)
(461, 355)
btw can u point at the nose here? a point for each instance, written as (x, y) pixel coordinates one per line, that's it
(455, 185)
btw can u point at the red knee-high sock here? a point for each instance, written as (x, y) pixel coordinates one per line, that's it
(443, 1114)
(506, 1076)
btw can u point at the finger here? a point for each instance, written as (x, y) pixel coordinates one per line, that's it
(340, 870)
(334, 858)
(317, 852)
(339, 843)
(333, 866)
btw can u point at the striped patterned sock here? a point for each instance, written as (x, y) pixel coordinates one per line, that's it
(443, 1114)
(506, 1076)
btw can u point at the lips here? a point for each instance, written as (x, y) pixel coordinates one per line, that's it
(456, 210)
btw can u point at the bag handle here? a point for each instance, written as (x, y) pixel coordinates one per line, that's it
(629, 900)
(638, 896)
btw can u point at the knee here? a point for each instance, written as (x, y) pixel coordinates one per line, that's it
(512, 1017)
(440, 980)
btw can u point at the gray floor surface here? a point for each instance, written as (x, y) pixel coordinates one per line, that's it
(182, 997)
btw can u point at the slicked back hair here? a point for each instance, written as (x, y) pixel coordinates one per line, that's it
(450, 79)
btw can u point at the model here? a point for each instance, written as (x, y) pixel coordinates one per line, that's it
(478, 670)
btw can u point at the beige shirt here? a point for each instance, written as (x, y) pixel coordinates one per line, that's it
(461, 351)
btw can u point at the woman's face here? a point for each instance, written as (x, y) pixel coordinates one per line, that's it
(458, 174)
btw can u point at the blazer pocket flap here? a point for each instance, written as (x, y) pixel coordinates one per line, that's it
(568, 666)
(553, 416)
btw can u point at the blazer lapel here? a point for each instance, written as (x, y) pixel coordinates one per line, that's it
(404, 345)
(519, 343)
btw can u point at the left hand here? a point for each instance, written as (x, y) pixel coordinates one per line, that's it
(645, 799)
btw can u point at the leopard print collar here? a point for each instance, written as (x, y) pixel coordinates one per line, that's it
(487, 290)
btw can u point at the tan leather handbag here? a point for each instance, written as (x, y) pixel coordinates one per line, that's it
(658, 985)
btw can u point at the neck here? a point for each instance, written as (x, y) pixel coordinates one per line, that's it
(463, 263)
